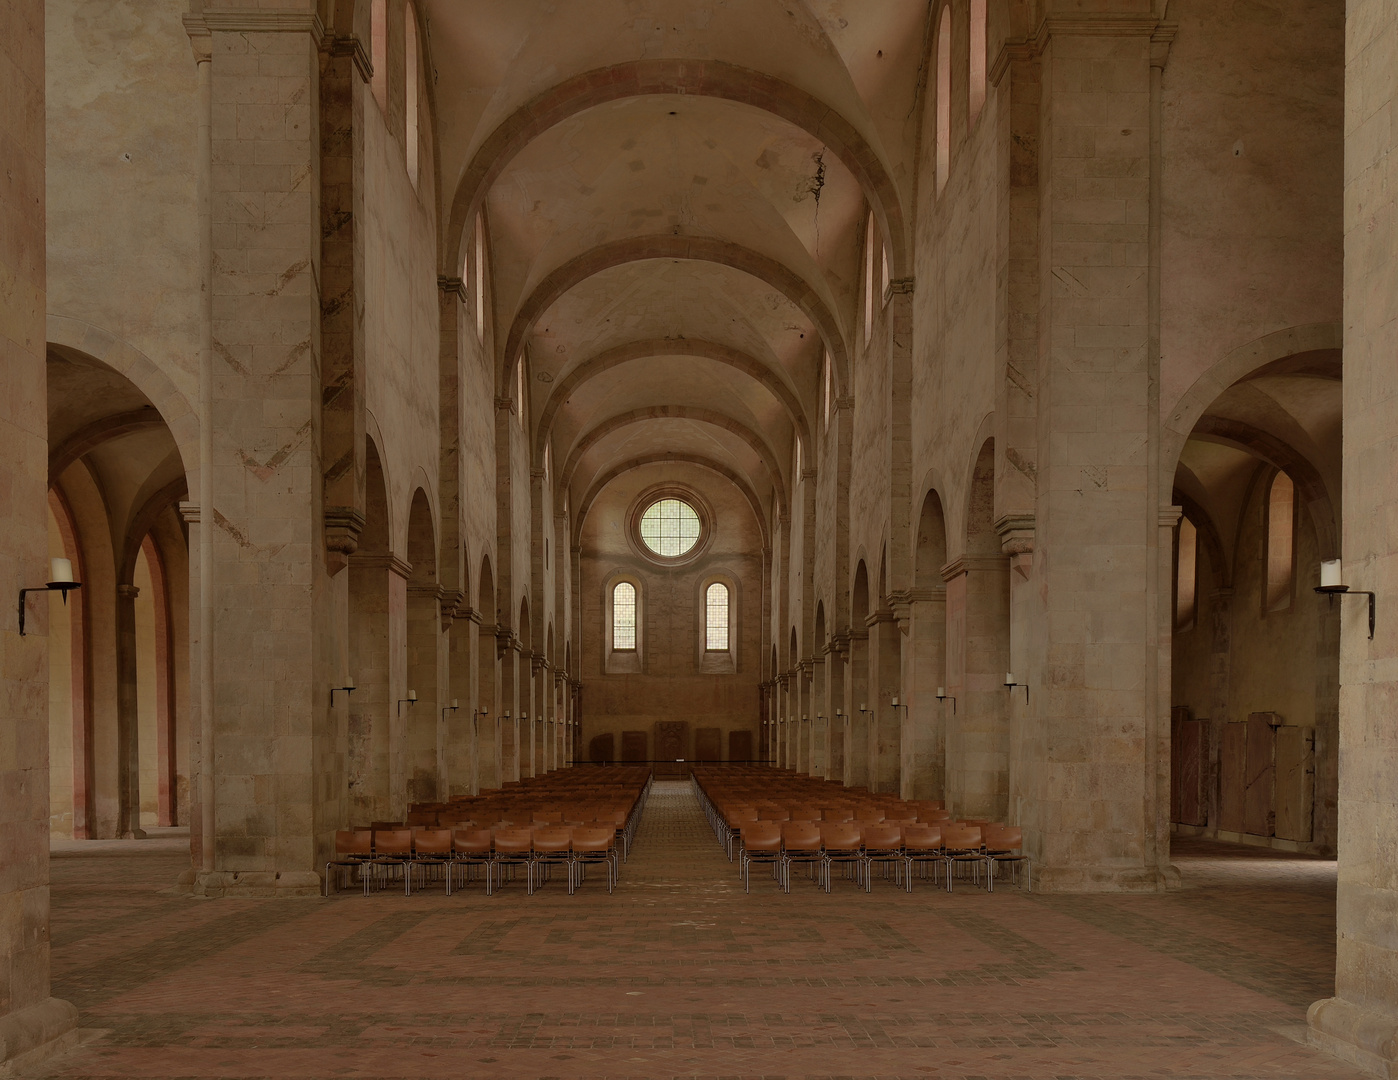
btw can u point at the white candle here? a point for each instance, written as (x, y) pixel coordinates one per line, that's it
(895, 703)
(1329, 573)
(348, 686)
(941, 691)
(862, 708)
(1009, 678)
(61, 570)
(412, 695)
(453, 703)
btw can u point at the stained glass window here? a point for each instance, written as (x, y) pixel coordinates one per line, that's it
(624, 616)
(670, 527)
(716, 617)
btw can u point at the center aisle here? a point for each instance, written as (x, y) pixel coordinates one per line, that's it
(674, 845)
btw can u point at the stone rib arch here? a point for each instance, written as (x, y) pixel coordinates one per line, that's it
(676, 412)
(734, 477)
(695, 248)
(1233, 366)
(705, 78)
(90, 342)
(639, 350)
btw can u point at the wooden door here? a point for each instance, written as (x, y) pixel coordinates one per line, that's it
(708, 744)
(601, 749)
(740, 746)
(633, 746)
(672, 748)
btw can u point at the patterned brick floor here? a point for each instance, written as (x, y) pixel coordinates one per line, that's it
(682, 975)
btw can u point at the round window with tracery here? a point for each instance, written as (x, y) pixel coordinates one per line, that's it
(670, 528)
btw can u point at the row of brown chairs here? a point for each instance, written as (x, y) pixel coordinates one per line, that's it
(860, 846)
(421, 854)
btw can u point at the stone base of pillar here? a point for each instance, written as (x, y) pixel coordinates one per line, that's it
(30, 1035)
(247, 884)
(1361, 1037)
(1094, 879)
(135, 834)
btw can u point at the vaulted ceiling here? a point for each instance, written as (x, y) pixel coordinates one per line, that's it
(675, 197)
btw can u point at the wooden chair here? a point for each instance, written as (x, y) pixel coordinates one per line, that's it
(1005, 844)
(431, 848)
(883, 844)
(353, 850)
(552, 846)
(513, 847)
(840, 843)
(595, 846)
(472, 848)
(800, 843)
(922, 845)
(392, 848)
(962, 845)
(762, 842)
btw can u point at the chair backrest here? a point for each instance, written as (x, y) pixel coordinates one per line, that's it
(432, 841)
(594, 839)
(868, 813)
(840, 836)
(804, 813)
(770, 814)
(384, 826)
(547, 817)
(354, 842)
(882, 836)
(1003, 837)
(922, 837)
(801, 836)
(834, 813)
(393, 841)
(513, 841)
(762, 836)
(471, 841)
(552, 839)
(961, 837)
(740, 814)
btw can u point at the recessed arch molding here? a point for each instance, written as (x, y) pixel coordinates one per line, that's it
(702, 78)
(641, 350)
(665, 246)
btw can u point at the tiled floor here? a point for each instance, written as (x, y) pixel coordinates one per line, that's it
(681, 974)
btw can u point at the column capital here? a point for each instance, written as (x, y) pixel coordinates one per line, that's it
(128, 592)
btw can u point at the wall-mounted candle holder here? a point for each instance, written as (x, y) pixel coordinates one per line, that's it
(1331, 577)
(1010, 681)
(60, 580)
(942, 695)
(411, 700)
(450, 708)
(348, 688)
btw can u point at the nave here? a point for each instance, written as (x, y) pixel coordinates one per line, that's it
(681, 974)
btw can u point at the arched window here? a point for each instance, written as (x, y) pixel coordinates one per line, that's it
(716, 617)
(977, 86)
(378, 50)
(1280, 543)
(519, 391)
(624, 617)
(883, 273)
(410, 87)
(480, 278)
(944, 97)
(1186, 574)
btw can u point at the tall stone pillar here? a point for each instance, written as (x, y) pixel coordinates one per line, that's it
(32, 1024)
(977, 601)
(1087, 769)
(1360, 1023)
(857, 709)
(128, 719)
(923, 741)
(836, 707)
(885, 729)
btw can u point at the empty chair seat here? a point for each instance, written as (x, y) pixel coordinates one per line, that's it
(591, 847)
(513, 847)
(552, 846)
(1005, 844)
(762, 842)
(922, 847)
(353, 849)
(962, 846)
(840, 843)
(472, 849)
(883, 844)
(431, 852)
(800, 843)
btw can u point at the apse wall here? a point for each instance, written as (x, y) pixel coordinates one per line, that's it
(668, 683)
